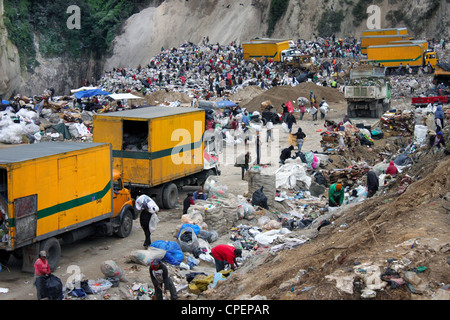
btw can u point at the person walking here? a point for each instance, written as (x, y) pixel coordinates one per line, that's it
(302, 111)
(269, 133)
(300, 135)
(148, 207)
(258, 148)
(290, 121)
(314, 110)
(159, 275)
(245, 165)
(224, 254)
(312, 98)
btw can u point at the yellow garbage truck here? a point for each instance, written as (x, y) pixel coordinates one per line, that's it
(261, 49)
(412, 52)
(368, 41)
(54, 193)
(385, 32)
(158, 150)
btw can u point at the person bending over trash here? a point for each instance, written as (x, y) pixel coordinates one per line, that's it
(372, 184)
(336, 195)
(286, 154)
(225, 254)
(160, 278)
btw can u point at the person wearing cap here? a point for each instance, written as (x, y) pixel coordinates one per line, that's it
(159, 275)
(41, 271)
(148, 207)
(336, 195)
(225, 254)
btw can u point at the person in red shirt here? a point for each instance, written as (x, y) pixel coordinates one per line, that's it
(225, 254)
(41, 270)
(392, 169)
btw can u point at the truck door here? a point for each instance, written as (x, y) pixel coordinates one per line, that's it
(25, 214)
(68, 185)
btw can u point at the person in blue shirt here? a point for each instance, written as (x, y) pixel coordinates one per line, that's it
(199, 195)
(245, 118)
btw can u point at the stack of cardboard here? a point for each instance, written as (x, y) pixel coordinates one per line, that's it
(399, 123)
(348, 176)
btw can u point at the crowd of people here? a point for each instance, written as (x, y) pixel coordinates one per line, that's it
(209, 70)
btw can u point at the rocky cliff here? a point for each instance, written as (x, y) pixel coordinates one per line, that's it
(173, 22)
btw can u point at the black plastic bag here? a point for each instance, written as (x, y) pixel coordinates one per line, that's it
(53, 288)
(260, 199)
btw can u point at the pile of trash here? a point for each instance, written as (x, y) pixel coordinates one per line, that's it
(32, 125)
(410, 85)
(397, 123)
(346, 137)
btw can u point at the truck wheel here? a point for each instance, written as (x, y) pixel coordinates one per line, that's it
(126, 225)
(4, 257)
(53, 249)
(170, 196)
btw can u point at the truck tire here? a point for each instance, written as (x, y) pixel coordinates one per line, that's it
(4, 257)
(53, 249)
(170, 196)
(126, 225)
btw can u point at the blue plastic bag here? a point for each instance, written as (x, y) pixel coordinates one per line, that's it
(194, 228)
(174, 255)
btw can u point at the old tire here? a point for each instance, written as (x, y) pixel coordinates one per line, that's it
(53, 249)
(126, 225)
(170, 196)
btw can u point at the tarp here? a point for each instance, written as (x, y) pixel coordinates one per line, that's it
(83, 89)
(225, 104)
(123, 96)
(91, 93)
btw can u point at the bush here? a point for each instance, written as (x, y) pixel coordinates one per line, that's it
(101, 21)
(330, 23)
(277, 10)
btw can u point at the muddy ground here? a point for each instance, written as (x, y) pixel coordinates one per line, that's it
(409, 227)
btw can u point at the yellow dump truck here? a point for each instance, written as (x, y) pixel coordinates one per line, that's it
(158, 150)
(265, 49)
(442, 73)
(367, 41)
(415, 53)
(59, 192)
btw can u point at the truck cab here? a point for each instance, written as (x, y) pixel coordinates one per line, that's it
(432, 58)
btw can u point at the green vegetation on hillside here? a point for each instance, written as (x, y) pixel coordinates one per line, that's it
(277, 10)
(47, 19)
(330, 23)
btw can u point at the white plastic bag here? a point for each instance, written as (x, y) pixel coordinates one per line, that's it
(153, 224)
